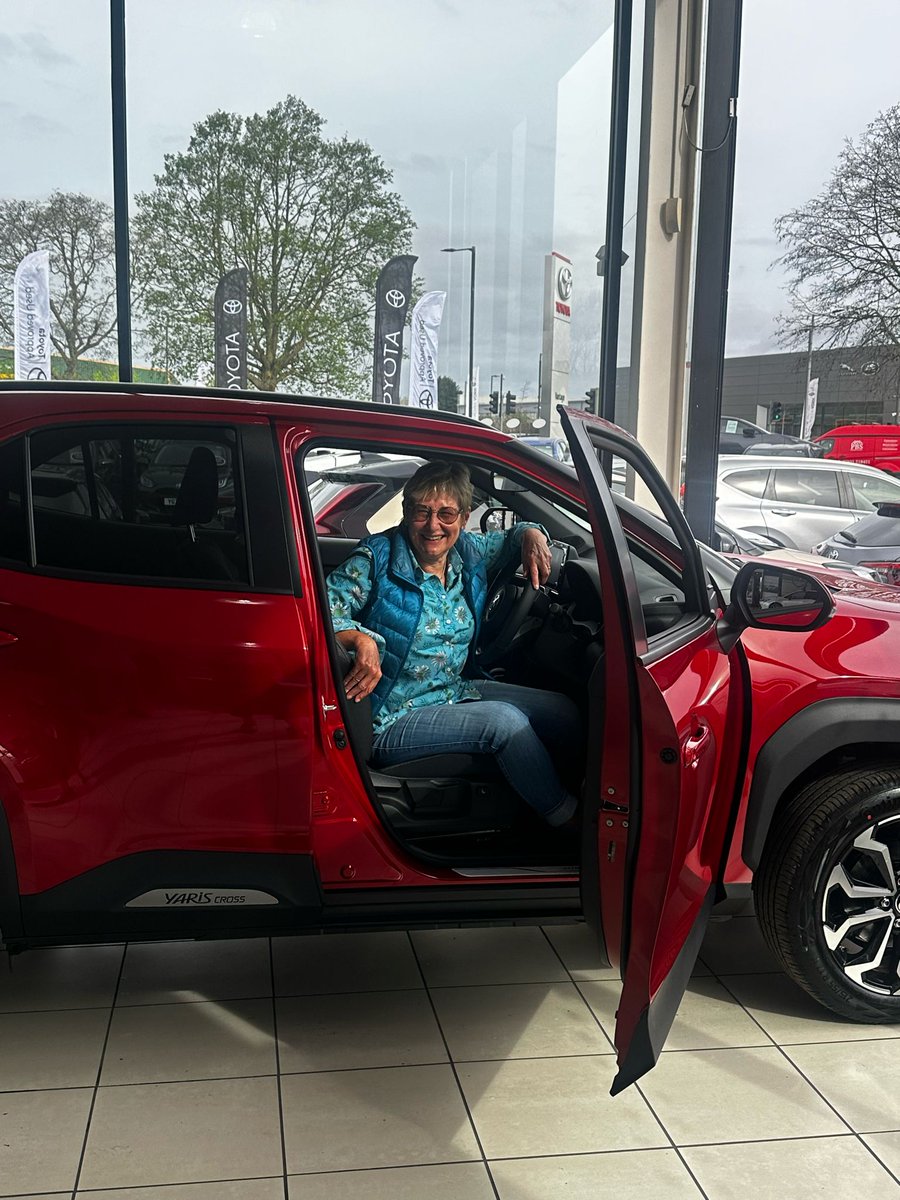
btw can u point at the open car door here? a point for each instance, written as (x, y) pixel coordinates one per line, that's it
(660, 792)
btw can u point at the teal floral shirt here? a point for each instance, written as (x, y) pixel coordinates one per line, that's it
(432, 673)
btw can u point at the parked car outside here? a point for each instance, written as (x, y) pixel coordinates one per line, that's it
(737, 436)
(179, 759)
(872, 542)
(874, 445)
(798, 503)
(556, 447)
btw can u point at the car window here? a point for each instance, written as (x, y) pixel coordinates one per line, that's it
(139, 505)
(751, 483)
(871, 490)
(798, 486)
(13, 519)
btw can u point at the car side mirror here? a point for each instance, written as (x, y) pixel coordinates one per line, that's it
(497, 518)
(773, 597)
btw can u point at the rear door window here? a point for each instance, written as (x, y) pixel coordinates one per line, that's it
(798, 486)
(13, 517)
(141, 502)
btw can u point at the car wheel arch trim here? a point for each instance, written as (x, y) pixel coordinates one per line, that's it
(811, 736)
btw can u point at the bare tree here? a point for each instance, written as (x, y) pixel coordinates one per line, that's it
(843, 247)
(78, 232)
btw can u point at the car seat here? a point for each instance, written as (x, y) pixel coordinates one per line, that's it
(438, 794)
(196, 504)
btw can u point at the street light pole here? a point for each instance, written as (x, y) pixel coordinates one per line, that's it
(472, 405)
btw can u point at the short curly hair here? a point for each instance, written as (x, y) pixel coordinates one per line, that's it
(439, 476)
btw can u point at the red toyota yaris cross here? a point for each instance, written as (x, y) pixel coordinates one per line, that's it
(177, 758)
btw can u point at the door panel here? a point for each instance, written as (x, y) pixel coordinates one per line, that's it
(663, 798)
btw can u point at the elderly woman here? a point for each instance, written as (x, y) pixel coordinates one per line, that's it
(407, 602)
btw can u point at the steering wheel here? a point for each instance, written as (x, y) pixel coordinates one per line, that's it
(508, 606)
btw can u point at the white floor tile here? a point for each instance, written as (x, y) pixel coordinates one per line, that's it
(344, 962)
(577, 946)
(521, 1020)
(167, 972)
(788, 1014)
(51, 1049)
(171, 1042)
(735, 1096)
(77, 977)
(41, 1135)
(861, 1080)
(239, 1189)
(401, 1116)
(358, 1029)
(452, 1181)
(555, 1106)
(708, 1017)
(450, 957)
(840, 1168)
(629, 1175)
(887, 1147)
(183, 1132)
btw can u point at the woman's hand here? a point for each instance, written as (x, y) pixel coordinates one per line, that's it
(536, 559)
(362, 678)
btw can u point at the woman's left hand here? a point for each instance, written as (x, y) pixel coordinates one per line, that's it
(536, 560)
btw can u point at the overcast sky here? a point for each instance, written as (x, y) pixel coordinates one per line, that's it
(439, 87)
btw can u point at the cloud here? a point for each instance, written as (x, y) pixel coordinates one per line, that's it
(22, 123)
(7, 48)
(42, 50)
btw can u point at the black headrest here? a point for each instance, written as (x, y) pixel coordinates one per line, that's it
(199, 490)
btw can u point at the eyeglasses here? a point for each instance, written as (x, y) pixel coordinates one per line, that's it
(420, 513)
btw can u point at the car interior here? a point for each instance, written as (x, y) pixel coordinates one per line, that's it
(458, 809)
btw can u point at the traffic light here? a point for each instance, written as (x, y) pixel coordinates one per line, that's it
(495, 402)
(591, 397)
(510, 402)
(777, 412)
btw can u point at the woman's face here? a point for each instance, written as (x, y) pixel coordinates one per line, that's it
(433, 524)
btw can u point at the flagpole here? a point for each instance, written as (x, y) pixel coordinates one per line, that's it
(120, 187)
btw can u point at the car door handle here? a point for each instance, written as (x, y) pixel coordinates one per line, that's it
(695, 744)
(7, 638)
(785, 512)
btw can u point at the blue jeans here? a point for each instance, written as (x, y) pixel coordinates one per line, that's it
(520, 726)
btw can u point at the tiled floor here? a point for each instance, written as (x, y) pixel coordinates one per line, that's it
(449, 1065)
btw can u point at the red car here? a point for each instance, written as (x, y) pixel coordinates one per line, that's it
(177, 758)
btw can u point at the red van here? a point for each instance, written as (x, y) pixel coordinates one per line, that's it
(877, 445)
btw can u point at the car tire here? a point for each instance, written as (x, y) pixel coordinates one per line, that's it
(828, 891)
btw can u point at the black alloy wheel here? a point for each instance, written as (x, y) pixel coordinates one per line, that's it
(828, 891)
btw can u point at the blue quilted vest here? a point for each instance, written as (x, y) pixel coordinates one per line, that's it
(395, 601)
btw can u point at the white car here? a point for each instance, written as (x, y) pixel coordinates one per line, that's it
(797, 502)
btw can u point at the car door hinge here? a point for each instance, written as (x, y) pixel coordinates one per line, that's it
(340, 739)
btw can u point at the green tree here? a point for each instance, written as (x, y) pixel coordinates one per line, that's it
(843, 247)
(78, 232)
(448, 394)
(313, 220)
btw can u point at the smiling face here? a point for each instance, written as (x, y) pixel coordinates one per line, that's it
(433, 522)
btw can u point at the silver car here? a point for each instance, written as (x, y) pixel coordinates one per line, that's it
(798, 502)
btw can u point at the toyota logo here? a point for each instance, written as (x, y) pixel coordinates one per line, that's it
(232, 306)
(395, 298)
(37, 373)
(564, 283)
(426, 400)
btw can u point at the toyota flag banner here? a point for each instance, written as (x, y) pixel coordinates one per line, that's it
(391, 304)
(423, 376)
(809, 408)
(31, 316)
(231, 330)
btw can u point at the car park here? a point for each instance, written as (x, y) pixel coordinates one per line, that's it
(179, 759)
(737, 436)
(797, 503)
(556, 447)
